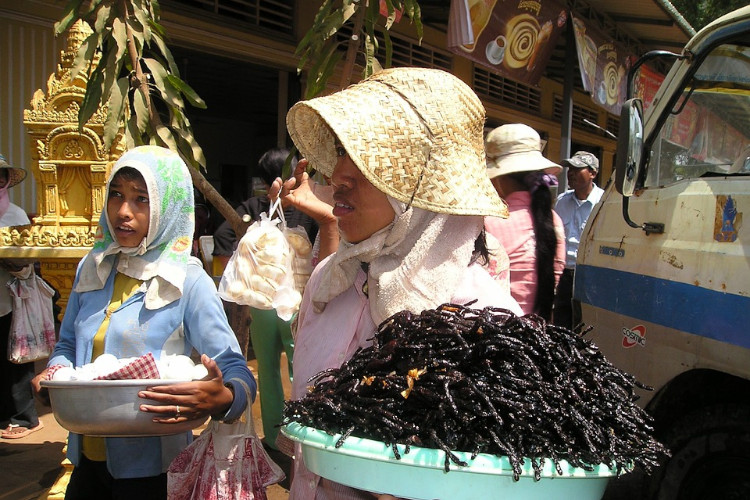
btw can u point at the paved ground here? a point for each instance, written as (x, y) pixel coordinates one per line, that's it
(32, 465)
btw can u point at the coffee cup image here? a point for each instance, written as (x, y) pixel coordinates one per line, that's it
(496, 49)
(479, 17)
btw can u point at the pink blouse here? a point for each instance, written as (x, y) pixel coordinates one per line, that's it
(326, 340)
(516, 234)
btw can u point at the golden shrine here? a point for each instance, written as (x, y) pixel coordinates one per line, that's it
(70, 168)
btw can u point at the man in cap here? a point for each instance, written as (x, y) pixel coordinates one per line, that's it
(18, 416)
(574, 207)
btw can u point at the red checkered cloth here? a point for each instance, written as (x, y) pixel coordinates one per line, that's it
(140, 368)
(51, 371)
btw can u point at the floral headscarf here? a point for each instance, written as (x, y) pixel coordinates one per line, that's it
(161, 258)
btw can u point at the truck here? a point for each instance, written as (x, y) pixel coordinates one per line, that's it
(663, 267)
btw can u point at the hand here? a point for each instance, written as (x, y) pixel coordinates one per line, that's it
(194, 400)
(313, 199)
(304, 194)
(40, 393)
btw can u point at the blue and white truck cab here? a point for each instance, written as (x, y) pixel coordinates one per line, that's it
(663, 268)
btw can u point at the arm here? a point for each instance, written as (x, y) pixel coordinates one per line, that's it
(313, 199)
(65, 348)
(208, 331)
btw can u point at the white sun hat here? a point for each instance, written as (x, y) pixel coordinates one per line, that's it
(516, 148)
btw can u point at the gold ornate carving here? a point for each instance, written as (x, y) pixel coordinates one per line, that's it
(47, 237)
(70, 168)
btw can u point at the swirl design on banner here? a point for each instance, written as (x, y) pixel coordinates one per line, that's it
(612, 77)
(522, 33)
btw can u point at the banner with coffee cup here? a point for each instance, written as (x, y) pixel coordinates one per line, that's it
(513, 38)
(603, 64)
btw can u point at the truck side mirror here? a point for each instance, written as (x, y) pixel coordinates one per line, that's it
(629, 147)
(629, 164)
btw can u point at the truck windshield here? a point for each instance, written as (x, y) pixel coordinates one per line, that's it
(708, 130)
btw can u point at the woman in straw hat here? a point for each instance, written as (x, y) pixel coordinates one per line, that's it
(18, 416)
(533, 235)
(404, 152)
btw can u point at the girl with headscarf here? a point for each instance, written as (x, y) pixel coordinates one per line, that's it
(404, 153)
(139, 291)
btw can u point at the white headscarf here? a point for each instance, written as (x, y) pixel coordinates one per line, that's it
(162, 257)
(414, 263)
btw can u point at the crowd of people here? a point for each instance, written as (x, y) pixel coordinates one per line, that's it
(412, 207)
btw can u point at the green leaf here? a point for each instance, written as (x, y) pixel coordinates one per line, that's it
(166, 136)
(370, 49)
(286, 170)
(195, 149)
(92, 5)
(110, 67)
(137, 30)
(187, 91)
(70, 16)
(120, 37)
(413, 12)
(173, 68)
(133, 137)
(84, 55)
(160, 75)
(391, 14)
(116, 105)
(371, 43)
(348, 9)
(102, 17)
(143, 19)
(155, 9)
(312, 33)
(388, 49)
(92, 97)
(141, 111)
(322, 71)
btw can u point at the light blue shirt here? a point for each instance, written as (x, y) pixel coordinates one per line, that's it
(195, 321)
(574, 214)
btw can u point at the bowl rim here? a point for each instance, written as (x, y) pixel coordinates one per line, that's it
(483, 463)
(54, 384)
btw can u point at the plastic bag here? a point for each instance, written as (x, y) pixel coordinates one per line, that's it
(260, 272)
(302, 260)
(32, 329)
(225, 461)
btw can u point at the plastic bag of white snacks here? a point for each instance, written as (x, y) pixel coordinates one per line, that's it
(302, 261)
(260, 272)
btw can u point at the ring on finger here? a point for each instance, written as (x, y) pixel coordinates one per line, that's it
(177, 415)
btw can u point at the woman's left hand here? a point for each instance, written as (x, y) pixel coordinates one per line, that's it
(194, 400)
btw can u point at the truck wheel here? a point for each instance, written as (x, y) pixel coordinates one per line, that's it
(710, 455)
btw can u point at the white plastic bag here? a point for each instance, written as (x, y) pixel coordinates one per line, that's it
(32, 329)
(227, 461)
(300, 244)
(260, 272)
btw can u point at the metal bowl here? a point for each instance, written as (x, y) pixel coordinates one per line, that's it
(109, 408)
(370, 465)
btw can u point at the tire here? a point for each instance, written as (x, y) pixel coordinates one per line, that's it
(710, 456)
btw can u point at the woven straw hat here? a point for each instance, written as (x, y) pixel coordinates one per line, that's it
(15, 174)
(414, 133)
(516, 148)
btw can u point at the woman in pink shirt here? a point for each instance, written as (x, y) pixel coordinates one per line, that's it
(533, 235)
(404, 152)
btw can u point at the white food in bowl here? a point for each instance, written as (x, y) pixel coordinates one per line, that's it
(109, 408)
